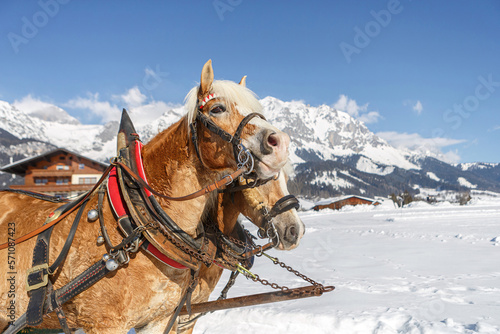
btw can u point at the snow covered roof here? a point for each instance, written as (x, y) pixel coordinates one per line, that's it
(338, 199)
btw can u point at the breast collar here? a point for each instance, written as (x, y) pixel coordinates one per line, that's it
(121, 211)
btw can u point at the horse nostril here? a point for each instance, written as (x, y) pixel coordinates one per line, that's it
(272, 140)
(292, 234)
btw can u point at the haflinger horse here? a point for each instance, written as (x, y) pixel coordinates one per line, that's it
(133, 285)
(253, 203)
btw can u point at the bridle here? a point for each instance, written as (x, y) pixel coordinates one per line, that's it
(286, 203)
(242, 155)
(244, 158)
(267, 229)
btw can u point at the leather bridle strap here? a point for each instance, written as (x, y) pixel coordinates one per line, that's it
(62, 216)
(219, 185)
(234, 140)
(284, 204)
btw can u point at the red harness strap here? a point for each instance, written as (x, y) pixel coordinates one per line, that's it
(118, 205)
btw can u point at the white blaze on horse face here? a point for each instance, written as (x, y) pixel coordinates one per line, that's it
(289, 225)
(269, 145)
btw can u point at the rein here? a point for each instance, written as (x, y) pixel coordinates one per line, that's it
(62, 216)
(44, 299)
(219, 185)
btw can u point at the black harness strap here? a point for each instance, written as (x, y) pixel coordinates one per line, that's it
(81, 283)
(69, 240)
(38, 281)
(234, 140)
(284, 204)
(43, 197)
(186, 299)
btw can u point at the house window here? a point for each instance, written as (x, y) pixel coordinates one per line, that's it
(81, 166)
(39, 181)
(62, 181)
(62, 167)
(87, 180)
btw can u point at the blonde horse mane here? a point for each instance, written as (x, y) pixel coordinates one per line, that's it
(230, 92)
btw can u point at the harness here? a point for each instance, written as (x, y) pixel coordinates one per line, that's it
(144, 225)
(140, 218)
(241, 153)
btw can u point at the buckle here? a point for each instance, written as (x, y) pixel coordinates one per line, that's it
(42, 280)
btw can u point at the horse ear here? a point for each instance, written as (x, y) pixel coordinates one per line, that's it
(207, 77)
(243, 81)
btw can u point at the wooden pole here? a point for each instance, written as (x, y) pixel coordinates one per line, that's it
(257, 299)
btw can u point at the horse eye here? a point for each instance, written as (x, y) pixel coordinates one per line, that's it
(217, 110)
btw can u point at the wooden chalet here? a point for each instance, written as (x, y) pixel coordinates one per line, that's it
(337, 203)
(59, 173)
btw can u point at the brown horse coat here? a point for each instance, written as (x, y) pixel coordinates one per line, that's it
(143, 293)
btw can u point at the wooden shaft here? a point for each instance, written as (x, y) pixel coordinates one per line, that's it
(257, 299)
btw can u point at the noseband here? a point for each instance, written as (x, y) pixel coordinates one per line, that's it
(244, 158)
(268, 229)
(242, 155)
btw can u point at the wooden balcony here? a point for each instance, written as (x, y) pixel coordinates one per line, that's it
(51, 173)
(54, 188)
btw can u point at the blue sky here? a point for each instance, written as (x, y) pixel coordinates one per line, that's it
(417, 72)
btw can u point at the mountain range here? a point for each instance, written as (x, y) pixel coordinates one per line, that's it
(333, 153)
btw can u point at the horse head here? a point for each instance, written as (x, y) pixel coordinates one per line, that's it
(273, 210)
(225, 119)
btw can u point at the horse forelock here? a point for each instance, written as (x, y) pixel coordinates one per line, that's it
(230, 92)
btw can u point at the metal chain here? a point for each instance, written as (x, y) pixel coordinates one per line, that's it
(256, 278)
(230, 261)
(197, 254)
(314, 285)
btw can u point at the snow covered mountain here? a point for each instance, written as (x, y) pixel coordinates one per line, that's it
(333, 152)
(324, 133)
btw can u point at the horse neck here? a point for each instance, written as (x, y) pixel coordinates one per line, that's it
(227, 214)
(173, 169)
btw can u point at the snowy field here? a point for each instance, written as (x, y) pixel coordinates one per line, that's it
(421, 269)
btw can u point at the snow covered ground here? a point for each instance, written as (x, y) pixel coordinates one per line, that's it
(421, 269)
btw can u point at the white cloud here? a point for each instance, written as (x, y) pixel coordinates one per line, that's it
(451, 157)
(370, 117)
(418, 107)
(133, 97)
(103, 109)
(30, 105)
(43, 110)
(140, 109)
(146, 113)
(417, 143)
(351, 107)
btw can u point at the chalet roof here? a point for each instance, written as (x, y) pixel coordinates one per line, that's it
(19, 167)
(338, 199)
